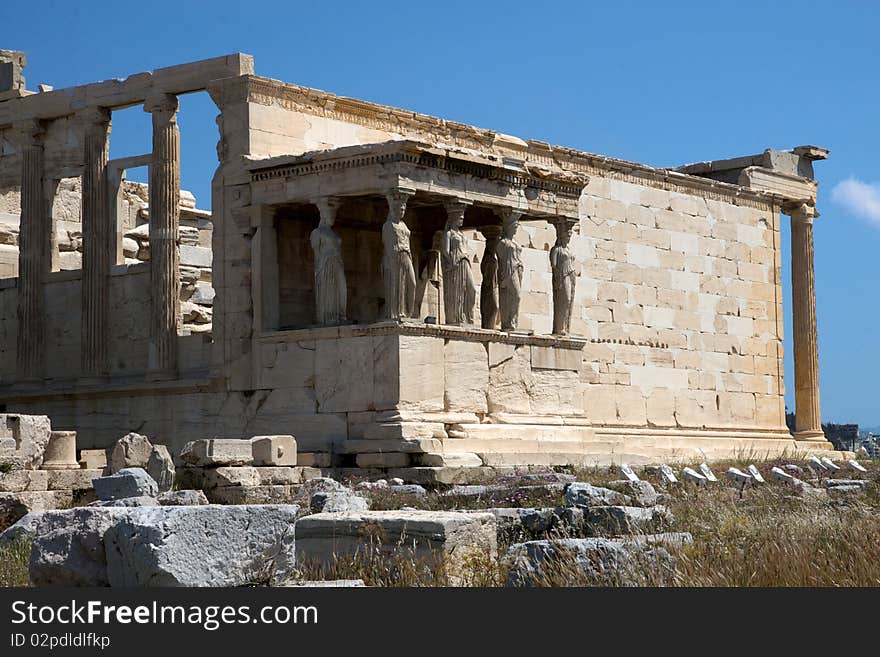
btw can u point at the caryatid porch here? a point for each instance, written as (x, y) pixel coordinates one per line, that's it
(365, 253)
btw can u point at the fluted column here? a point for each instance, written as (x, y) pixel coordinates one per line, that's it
(808, 419)
(96, 243)
(164, 223)
(33, 253)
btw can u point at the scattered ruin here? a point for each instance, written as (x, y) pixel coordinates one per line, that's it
(406, 295)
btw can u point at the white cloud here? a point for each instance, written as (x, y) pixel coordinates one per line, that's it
(862, 199)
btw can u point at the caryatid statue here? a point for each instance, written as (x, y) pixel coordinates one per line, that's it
(398, 272)
(459, 291)
(510, 271)
(565, 273)
(489, 285)
(331, 293)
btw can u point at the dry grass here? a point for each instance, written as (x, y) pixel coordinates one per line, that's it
(14, 564)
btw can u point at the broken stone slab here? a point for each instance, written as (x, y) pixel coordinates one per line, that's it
(76, 480)
(628, 473)
(453, 536)
(855, 465)
(338, 502)
(817, 464)
(587, 560)
(23, 440)
(93, 459)
(244, 475)
(14, 506)
(845, 490)
(694, 477)
(169, 546)
(131, 451)
(273, 494)
(128, 482)
(408, 489)
(831, 465)
(707, 472)
(17, 481)
(781, 475)
(25, 529)
(837, 483)
(738, 476)
(620, 520)
(756, 474)
(279, 475)
(160, 466)
(274, 450)
(584, 494)
(68, 549)
(667, 474)
(143, 500)
(217, 452)
(641, 493)
(182, 498)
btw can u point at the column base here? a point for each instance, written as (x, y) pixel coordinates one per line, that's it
(810, 435)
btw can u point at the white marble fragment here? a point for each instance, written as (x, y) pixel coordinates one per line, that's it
(667, 474)
(756, 474)
(628, 472)
(831, 465)
(855, 465)
(691, 475)
(707, 472)
(737, 475)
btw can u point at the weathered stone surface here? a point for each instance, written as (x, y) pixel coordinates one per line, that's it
(131, 451)
(339, 502)
(202, 546)
(408, 489)
(182, 498)
(142, 500)
(694, 477)
(756, 474)
(605, 561)
(128, 482)
(230, 476)
(425, 534)
(25, 529)
(69, 547)
(23, 439)
(616, 520)
(217, 451)
(93, 459)
(313, 459)
(852, 464)
(21, 480)
(73, 479)
(274, 450)
(837, 483)
(707, 472)
(160, 467)
(383, 460)
(738, 476)
(14, 506)
(280, 475)
(274, 494)
(583, 494)
(641, 493)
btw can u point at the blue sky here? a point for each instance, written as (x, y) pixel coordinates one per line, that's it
(663, 83)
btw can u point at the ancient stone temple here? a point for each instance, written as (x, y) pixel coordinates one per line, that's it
(396, 290)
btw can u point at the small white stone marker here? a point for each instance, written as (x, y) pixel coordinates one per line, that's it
(831, 465)
(667, 474)
(756, 474)
(781, 475)
(817, 463)
(737, 475)
(691, 475)
(707, 472)
(855, 465)
(628, 472)
(791, 467)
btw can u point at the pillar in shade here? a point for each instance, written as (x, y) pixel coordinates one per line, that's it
(33, 253)
(97, 237)
(164, 222)
(808, 419)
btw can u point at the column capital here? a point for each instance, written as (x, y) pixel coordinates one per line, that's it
(801, 211)
(508, 215)
(328, 205)
(456, 205)
(161, 103)
(399, 194)
(29, 132)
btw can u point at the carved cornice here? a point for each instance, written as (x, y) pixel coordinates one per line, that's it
(409, 153)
